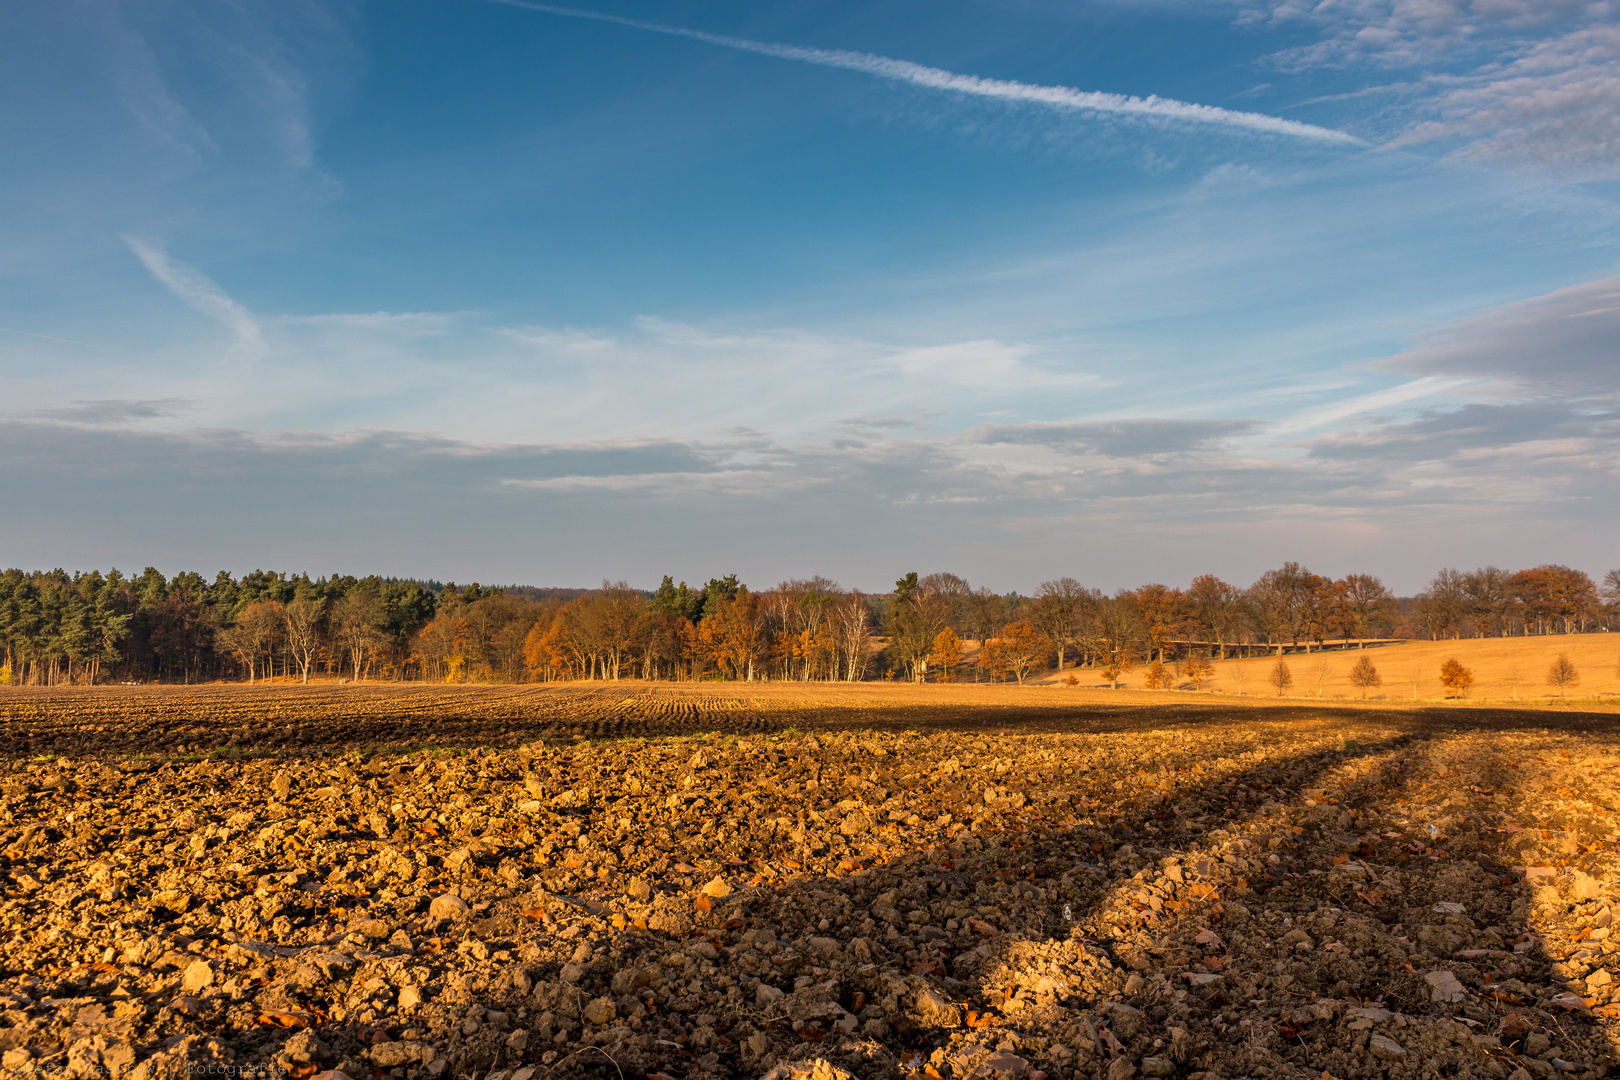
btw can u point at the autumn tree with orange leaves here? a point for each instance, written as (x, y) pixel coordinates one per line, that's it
(1164, 612)
(729, 639)
(945, 656)
(1023, 648)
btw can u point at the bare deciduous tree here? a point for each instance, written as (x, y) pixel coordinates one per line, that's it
(854, 642)
(1280, 676)
(357, 621)
(1319, 672)
(1562, 674)
(1216, 610)
(1368, 604)
(1282, 600)
(1365, 675)
(1056, 613)
(304, 617)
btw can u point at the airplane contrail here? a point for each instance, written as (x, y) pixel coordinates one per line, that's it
(1056, 97)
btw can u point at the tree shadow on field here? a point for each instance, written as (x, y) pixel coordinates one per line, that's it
(1096, 954)
(238, 721)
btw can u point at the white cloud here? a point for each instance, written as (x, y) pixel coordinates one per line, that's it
(1411, 32)
(416, 322)
(469, 376)
(986, 364)
(135, 71)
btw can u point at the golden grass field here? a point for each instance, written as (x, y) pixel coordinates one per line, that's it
(1505, 669)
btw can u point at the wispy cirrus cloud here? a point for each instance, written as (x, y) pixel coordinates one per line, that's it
(1477, 435)
(1068, 99)
(1530, 82)
(200, 293)
(1129, 438)
(1389, 397)
(116, 410)
(1557, 105)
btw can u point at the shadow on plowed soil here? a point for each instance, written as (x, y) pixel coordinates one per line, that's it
(1041, 855)
(177, 721)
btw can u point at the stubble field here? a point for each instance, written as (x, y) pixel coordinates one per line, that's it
(735, 881)
(1510, 670)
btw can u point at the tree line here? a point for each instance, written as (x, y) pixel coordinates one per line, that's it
(58, 628)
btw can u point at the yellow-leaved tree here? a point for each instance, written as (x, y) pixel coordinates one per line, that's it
(1157, 676)
(1198, 670)
(945, 656)
(1455, 678)
(1024, 648)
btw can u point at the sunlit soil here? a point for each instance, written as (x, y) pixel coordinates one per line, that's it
(724, 880)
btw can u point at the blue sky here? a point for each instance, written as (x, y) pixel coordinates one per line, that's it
(1126, 292)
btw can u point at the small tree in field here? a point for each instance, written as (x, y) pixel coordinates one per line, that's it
(1319, 673)
(1562, 674)
(1280, 676)
(1365, 675)
(1455, 678)
(1157, 676)
(1199, 670)
(1117, 665)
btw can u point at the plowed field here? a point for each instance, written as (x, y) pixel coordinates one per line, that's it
(628, 880)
